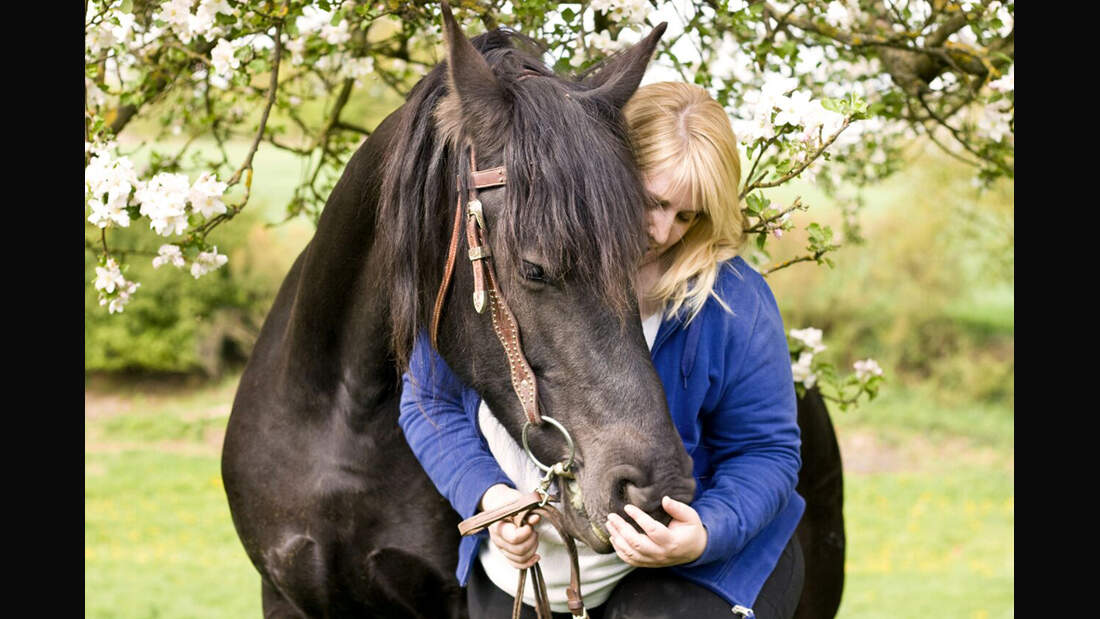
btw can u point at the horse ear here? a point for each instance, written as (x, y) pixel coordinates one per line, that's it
(619, 78)
(479, 93)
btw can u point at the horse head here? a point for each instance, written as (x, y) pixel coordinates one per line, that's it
(566, 234)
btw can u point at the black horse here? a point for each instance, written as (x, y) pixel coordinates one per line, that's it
(330, 503)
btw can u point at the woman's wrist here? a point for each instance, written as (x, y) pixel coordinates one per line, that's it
(497, 495)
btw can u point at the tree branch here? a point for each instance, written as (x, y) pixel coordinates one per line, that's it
(816, 255)
(762, 225)
(962, 141)
(247, 165)
(795, 172)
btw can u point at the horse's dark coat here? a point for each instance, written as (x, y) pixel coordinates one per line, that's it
(330, 504)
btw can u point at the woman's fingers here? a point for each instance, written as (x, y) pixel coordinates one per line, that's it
(518, 544)
(628, 537)
(656, 531)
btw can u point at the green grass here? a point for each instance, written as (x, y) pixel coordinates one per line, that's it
(930, 526)
(158, 539)
(930, 544)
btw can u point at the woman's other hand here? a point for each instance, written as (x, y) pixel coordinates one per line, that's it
(682, 541)
(517, 543)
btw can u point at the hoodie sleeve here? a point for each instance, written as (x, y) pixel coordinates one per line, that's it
(442, 436)
(751, 432)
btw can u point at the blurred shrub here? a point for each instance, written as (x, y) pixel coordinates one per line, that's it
(176, 323)
(929, 295)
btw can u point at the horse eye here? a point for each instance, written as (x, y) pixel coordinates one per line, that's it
(534, 272)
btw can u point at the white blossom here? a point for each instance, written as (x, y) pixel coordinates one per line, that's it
(106, 213)
(866, 368)
(178, 15)
(993, 123)
(337, 34)
(108, 277)
(117, 302)
(630, 11)
(809, 336)
(603, 42)
(113, 177)
(223, 59)
(206, 195)
(207, 261)
(1006, 83)
(357, 67)
(801, 369)
(792, 109)
(169, 254)
(838, 15)
(164, 201)
(312, 20)
(96, 97)
(297, 49)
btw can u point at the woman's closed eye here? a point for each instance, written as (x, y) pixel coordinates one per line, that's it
(687, 217)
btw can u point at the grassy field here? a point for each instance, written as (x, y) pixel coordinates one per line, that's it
(929, 510)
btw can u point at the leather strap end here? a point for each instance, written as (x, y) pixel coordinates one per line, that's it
(478, 522)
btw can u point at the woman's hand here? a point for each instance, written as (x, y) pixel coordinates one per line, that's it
(682, 541)
(517, 543)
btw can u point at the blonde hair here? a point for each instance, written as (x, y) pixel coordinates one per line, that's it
(678, 129)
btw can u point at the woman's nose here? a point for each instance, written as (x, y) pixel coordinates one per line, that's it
(659, 224)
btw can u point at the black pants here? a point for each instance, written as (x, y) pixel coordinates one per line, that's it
(656, 593)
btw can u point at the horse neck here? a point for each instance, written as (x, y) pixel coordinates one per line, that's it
(337, 336)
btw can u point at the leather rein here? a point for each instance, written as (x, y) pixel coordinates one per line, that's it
(486, 291)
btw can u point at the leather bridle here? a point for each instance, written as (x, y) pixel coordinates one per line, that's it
(486, 291)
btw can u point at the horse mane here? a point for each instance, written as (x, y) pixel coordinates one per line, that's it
(574, 197)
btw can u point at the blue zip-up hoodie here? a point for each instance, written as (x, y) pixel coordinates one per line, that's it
(727, 378)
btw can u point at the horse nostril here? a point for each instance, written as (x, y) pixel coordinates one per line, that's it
(636, 496)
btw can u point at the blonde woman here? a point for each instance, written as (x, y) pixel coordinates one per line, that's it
(718, 344)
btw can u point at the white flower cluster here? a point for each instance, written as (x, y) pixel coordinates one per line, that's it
(842, 14)
(336, 35)
(108, 182)
(630, 11)
(603, 42)
(866, 369)
(357, 68)
(297, 49)
(801, 369)
(114, 290)
(795, 109)
(207, 261)
(168, 254)
(223, 58)
(809, 336)
(187, 25)
(993, 122)
(1006, 83)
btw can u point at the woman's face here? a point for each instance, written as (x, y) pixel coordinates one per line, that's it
(668, 218)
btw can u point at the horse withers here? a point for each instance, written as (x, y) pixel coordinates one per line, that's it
(331, 505)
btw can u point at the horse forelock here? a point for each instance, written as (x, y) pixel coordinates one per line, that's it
(574, 197)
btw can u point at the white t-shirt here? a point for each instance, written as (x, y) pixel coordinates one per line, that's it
(599, 572)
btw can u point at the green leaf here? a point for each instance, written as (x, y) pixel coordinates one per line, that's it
(127, 6)
(568, 14)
